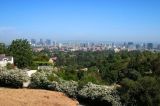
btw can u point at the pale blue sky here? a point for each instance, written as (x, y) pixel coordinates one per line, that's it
(107, 20)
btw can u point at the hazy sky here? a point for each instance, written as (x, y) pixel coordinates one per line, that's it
(107, 20)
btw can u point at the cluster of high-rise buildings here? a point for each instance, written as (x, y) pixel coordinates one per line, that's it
(41, 42)
(92, 46)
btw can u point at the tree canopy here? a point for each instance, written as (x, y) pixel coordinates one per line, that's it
(21, 50)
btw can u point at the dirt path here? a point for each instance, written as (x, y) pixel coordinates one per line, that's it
(29, 73)
(32, 97)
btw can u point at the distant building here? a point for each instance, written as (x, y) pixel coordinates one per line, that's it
(33, 42)
(60, 45)
(131, 46)
(48, 42)
(144, 46)
(4, 60)
(41, 42)
(125, 45)
(158, 47)
(138, 46)
(54, 43)
(149, 46)
(52, 60)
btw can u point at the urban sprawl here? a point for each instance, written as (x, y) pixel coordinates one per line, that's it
(91, 46)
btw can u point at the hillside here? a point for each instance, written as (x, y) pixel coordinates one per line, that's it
(31, 97)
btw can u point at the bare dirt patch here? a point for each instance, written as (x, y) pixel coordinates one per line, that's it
(34, 97)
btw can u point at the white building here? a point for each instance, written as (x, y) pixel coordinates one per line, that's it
(5, 59)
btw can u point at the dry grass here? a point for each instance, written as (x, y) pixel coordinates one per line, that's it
(33, 97)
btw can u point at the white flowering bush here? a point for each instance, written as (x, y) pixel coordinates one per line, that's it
(101, 93)
(13, 78)
(70, 88)
(39, 80)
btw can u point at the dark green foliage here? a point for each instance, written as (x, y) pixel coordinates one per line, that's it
(137, 72)
(90, 76)
(156, 66)
(40, 57)
(143, 92)
(10, 66)
(68, 74)
(22, 53)
(2, 48)
(129, 73)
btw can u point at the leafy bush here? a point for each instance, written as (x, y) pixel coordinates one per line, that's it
(90, 76)
(70, 88)
(10, 66)
(101, 93)
(49, 80)
(12, 78)
(143, 92)
(40, 80)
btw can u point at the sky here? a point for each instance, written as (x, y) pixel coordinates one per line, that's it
(89, 20)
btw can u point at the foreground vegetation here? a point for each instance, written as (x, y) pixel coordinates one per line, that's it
(91, 75)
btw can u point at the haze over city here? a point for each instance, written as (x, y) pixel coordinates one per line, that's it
(95, 20)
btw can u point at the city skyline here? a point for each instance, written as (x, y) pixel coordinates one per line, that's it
(84, 20)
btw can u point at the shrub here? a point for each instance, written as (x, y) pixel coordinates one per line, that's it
(70, 88)
(40, 80)
(13, 78)
(143, 92)
(100, 93)
(10, 66)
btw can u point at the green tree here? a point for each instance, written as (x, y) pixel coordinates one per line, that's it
(143, 92)
(21, 50)
(2, 48)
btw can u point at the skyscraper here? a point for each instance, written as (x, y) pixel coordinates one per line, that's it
(149, 46)
(33, 41)
(41, 42)
(54, 43)
(48, 42)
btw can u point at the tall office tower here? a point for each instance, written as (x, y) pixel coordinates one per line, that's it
(149, 46)
(88, 44)
(85, 44)
(131, 46)
(60, 45)
(125, 45)
(41, 42)
(54, 43)
(130, 43)
(158, 47)
(33, 41)
(138, 46)
(144, 46)
(48, 42)
(92, 44)
(113, 45)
